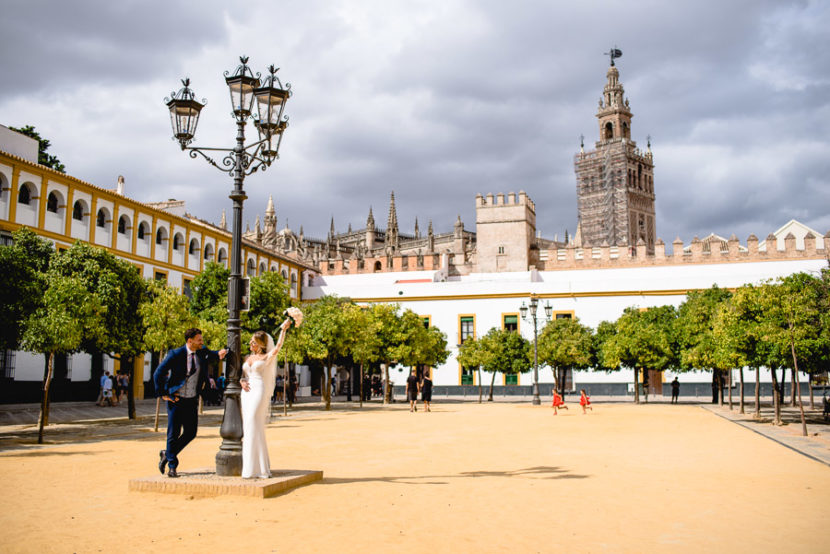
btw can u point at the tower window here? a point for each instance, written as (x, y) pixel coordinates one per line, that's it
(609, 131)
(501, 249)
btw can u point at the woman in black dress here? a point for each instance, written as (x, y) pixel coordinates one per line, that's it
(426, 391)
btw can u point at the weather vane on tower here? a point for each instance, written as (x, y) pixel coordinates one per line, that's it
(614, 53)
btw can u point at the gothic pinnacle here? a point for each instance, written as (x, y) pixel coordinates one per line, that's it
(270, 209)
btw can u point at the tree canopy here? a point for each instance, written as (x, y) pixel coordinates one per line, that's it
(43, 158)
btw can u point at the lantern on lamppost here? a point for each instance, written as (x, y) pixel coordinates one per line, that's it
(534, 306)
(238, 162)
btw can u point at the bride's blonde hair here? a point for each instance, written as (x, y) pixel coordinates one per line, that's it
(261, 338)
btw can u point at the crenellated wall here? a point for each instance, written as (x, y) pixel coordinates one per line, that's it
(605, 256)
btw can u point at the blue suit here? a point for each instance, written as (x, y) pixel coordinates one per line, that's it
(182, 415)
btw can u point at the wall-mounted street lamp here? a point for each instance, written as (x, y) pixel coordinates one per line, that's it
(534, 306)
(239, 162)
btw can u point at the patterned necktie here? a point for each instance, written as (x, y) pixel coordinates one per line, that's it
(190, 366)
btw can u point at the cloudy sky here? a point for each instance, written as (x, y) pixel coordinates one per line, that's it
(438, 100)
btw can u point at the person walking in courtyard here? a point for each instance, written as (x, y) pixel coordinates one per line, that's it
(558, 402)
(426, 391)
(107, 391)
(412, 391)
(675, 390)
(180, 379)
(585, 401)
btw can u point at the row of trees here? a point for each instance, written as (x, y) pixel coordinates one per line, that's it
(84, 299)
(336, 331)
(782, 324)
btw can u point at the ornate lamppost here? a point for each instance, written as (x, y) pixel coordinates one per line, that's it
(534, 305)
(239, 162)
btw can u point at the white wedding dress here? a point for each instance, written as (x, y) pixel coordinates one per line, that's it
(261, 376)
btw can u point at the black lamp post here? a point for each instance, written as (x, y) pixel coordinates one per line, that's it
(239, 162)
(534, 305)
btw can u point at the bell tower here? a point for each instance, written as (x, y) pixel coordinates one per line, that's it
(615, 181)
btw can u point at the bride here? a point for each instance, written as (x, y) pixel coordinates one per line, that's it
(259, 377)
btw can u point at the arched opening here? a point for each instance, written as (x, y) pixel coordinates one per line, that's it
(52, 203)
(378, 266)
(177, 241)
(293, 282)
(25, 195)
(123, 225)
(143, 230)
(222, 256)
(609, 131)
(262, 268)
(208, 252)
(101, 219)
(78, 211)
(284, 275)
(194, 247)
(161, 235)
(251, 268)
(625, 130)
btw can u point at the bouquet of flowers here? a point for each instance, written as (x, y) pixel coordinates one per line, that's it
(295, 315)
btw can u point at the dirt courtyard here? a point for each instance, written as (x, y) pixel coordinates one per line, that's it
(464, 478)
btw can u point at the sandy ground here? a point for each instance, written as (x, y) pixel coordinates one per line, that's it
(464, 478)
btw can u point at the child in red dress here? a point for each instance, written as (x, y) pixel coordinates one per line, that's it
(584, 401)
(558, 403)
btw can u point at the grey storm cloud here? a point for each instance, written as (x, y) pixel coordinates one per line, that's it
(439, 101)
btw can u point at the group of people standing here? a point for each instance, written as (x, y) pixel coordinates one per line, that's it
(113, 390)
(414, 386)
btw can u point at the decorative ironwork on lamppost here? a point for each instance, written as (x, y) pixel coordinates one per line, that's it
(238, 162)
(534, 305)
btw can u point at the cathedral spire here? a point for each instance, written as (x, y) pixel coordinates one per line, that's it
(370, 221)
(417, 231)
(392, 220)
(269, 211)
(331, 231)
(223, 223)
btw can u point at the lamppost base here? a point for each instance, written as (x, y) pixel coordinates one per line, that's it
(229, 463)
(537, 401)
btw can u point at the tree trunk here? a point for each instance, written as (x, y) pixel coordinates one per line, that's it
(131, 389)
(812, 403)
(636, 385)
(729, 384)
(795, 386)
(480, 387)
(776, 399)
(758, 392)
(714, 386)
(794, 381)
(781, 386)
(386, 386)
(44, 404)
(741, 375)
(361, 385)
(492, 382)
(44, 409)
(327, 393)
(720, 387)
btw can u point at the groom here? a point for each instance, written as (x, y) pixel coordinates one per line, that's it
(180, 379)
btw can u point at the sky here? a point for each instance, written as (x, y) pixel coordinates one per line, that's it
(439, 100)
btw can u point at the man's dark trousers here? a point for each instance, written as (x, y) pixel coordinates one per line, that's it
(182, 423)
